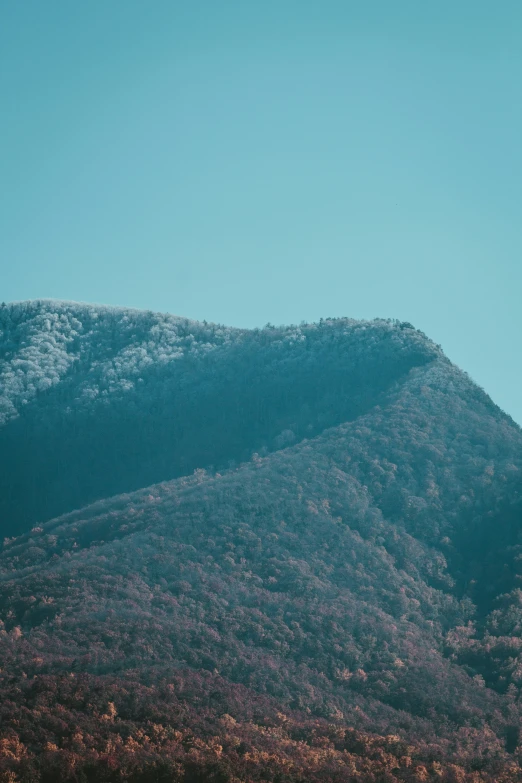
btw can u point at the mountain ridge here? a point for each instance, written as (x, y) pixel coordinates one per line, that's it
(159, 370)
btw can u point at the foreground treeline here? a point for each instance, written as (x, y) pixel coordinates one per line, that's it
(80, 729)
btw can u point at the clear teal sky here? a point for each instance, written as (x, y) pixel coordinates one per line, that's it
(271, 160)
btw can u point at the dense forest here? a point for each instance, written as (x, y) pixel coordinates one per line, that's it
(287, 554)
(134, 398)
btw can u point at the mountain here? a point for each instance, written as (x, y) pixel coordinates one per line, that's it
(287, 554)
(132, 398)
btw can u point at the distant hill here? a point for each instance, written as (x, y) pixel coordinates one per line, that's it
(285, 554)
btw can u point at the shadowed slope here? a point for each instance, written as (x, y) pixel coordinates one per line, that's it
(129, 398)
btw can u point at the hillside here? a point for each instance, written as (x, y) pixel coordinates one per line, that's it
(286, 554)
(132, 398)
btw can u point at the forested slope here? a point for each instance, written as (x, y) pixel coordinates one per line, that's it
(326, 586)
(131, 398)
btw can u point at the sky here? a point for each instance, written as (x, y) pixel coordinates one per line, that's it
(278, 161)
